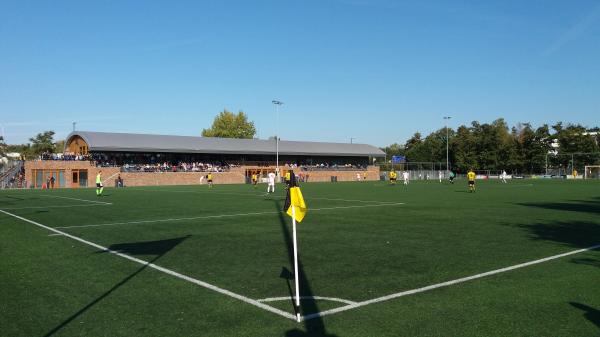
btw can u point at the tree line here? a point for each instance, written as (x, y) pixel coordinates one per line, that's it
(522, 148)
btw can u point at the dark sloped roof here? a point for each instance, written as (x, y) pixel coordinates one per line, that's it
(131, 142)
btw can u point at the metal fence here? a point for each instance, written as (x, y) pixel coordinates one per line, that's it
(10, 177)
(417, 170)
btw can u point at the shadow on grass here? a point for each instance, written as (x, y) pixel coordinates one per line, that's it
(579, 234)
(583, 206)
(308, 305)
(158, 248)
(592, 315)
(587, 261)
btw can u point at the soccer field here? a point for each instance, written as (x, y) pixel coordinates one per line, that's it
(427, 259)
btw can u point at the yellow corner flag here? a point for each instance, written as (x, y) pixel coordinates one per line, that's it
(294, 198)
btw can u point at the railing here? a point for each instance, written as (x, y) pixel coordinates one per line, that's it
(10, 178)
(332, 168)
(168, 169)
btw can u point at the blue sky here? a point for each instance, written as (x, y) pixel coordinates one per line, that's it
(376, 71)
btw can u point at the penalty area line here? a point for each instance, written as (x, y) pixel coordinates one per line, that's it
(445, 284)
(162, 269)
(86, 200)
(202, 217)
(263, 194)
(55, 206)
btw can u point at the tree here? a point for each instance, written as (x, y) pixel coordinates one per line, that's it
(463, 145)
(3, 147)
(43, 142)
(415, 149)
(59, 146)
(230, 125)
(393, 150)
(3, 150)
(574, 139)
(495, 146)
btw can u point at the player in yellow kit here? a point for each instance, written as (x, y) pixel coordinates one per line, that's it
(209, 179)
(393, 176)
(254, 179)
(471, 178)
(288, 177)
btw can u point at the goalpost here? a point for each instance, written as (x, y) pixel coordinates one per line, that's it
(591, 172)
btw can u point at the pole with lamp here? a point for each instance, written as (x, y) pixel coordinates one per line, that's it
(446, 118)
(277, 105)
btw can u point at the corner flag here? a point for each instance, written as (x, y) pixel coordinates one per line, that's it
(295, 207)
(294, 198)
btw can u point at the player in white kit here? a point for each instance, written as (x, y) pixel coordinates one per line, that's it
(271, 182)
(405, 176)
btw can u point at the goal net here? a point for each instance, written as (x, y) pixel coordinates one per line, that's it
(592, 172)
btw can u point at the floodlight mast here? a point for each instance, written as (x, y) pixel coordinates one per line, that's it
(277, 105)
(446, 118)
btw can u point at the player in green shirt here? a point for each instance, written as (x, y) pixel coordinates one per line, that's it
(99, 187)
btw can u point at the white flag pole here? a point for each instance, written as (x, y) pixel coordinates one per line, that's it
(296, 264)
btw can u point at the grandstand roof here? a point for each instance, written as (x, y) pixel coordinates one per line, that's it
(131, 142)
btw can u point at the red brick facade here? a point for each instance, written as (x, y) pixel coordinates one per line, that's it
(71, 170)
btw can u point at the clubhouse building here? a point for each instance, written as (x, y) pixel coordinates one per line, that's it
(144, 159)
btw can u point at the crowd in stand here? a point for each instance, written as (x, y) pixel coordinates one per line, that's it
(180, 167)
(151, 166)
(328, 167)
(65, 156)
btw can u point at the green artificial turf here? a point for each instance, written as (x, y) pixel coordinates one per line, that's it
(359, 241)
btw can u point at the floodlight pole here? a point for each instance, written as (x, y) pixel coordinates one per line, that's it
(446, 118)
(277, 104)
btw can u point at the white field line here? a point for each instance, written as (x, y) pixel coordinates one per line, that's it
(107, 179)
(445, 284)
(288, 298)
(92, 201)
(219, 216)
(54, 206)
(163, 269)
(263, 194)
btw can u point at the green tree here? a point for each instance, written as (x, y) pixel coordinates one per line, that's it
(43, 142)
(230, 125)
(3, 150)
(464, 151)
(435, 146)
(59, 146)
(415, 149)
(3, 147)
(24, 149)
(393, 150)
(532, 147)
(574, 139)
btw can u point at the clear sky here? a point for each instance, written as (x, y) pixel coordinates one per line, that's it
(376, 71)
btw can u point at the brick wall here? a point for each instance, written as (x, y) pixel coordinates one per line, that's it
(68, 167)
(234, 176)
